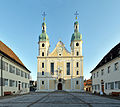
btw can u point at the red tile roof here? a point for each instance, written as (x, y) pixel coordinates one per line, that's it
(8, 52)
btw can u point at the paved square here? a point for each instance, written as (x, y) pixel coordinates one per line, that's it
(59, 99)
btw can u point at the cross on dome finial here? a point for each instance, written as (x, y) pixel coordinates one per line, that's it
(76, 14)
(44, 16)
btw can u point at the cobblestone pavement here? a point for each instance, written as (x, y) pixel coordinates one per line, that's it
(59, 99)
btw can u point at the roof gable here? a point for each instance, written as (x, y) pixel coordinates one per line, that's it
(112, 54)
(8, 52)
(60, 50)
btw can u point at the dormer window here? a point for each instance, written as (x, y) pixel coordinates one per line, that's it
(116, 66)
(102, 71)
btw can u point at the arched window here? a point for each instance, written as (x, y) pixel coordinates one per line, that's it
(77, 53)
(42, 82)
(42, 72)
(77, 72)
(77, 82)
(43, 45)
(42, 53)
(77, 64)
(42, 65)
(76, 26)
(60, 80)
(43, 27)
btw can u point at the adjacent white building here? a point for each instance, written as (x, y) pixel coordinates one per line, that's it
(106, 75)
(14, 76)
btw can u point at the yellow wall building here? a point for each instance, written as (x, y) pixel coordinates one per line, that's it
(60, 69)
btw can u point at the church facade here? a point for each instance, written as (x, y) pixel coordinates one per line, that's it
(60, 69)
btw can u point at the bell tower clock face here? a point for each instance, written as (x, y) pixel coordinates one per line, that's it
(59, 49)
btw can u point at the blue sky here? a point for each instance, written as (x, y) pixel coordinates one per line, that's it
(21, 20)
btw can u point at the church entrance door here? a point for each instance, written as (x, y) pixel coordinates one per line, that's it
(60, 86)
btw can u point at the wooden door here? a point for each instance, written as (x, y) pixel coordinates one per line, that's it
(103, 88)
(60, 86)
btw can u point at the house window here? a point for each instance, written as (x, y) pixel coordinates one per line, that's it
(116, 66)
(28, 76)
(43, 45)
(94, 75)
(5, 66)
(68, 68)
(77, 72)
(52, 68)
(17, 71)
(5, 82)
(77, 44)
(11, 69)
(98, 87)
(77, 64)
(25, 85)
(111, 85)
(109, 69)
(42, 72)
(77, 82)
(117, 85)
(42, 82)
(42, 53)
(102, 71)
(22, 74)
(25, 75)
(42, 65)
(106, 86)
(11, 83)
(97, 74)
(77, 53)
(16, 83)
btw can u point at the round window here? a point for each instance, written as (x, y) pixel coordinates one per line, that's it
(77, 44)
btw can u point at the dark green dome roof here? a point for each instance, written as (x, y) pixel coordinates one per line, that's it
(76, 36)
(43, 37)
(43, 23)
(76, 22)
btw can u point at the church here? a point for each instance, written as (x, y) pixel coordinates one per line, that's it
(60, 69)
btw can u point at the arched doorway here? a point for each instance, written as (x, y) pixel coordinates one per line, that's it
(59, 86)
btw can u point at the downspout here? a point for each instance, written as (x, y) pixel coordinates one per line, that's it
(1, 76)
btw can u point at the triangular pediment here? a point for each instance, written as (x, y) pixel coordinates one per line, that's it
(60, 50)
